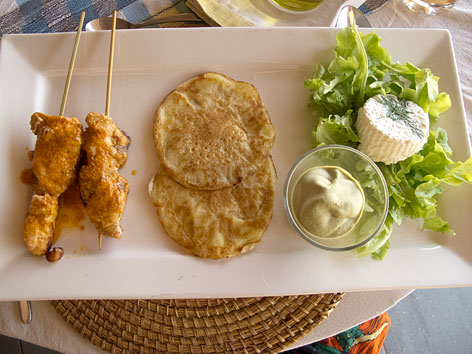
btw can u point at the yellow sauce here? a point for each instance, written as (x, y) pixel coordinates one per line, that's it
(298, 5)
(71, 211)
(328, 202)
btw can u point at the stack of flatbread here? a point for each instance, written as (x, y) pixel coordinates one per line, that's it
(214, 191)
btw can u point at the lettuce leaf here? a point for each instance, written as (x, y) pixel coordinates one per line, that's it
(335, 130)
(362, 68)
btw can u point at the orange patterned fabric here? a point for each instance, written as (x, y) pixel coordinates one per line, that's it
(366, 338)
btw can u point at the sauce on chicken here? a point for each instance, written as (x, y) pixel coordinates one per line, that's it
(54, 165)
(103, 190)
(27, 177)
(71, 211)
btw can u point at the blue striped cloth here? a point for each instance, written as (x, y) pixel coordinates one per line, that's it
(44, 16)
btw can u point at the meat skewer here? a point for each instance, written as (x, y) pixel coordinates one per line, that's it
(103, 190)
(54, 163)
(55, 159)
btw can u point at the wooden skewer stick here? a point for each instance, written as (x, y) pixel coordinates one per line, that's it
(110, 74)
(71, 64)
(110, 64)
(25, 306)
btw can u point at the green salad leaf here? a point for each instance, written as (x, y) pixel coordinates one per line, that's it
(361, 69)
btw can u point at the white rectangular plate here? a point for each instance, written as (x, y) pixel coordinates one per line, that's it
(145, 263)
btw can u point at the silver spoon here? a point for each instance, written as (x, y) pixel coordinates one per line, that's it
(105, 23)
(343, 20)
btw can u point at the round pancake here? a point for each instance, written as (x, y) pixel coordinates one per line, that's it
(212, 131)
(216, 224)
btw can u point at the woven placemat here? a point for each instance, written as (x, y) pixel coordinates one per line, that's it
(243, 325)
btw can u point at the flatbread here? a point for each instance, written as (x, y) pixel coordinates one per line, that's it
(216, 224)
(212, 131)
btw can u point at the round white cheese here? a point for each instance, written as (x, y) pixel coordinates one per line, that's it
(391, 129)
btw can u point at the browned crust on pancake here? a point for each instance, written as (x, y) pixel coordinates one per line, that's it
(209, 142)
(216, 224)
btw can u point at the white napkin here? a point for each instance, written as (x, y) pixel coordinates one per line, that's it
(261, 13)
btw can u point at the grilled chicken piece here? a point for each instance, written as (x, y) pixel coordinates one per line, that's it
(39, 224)
(57, 152)
(102, 189)
(55, 160)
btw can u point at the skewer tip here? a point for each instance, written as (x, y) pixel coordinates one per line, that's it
(71, 64)
(100, 242)
(110, 65)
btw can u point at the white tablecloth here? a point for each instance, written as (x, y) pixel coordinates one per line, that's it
(355, 308)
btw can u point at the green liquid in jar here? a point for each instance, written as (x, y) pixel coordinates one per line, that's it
(298, 5)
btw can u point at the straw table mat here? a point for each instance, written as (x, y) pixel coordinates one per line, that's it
(242, 325)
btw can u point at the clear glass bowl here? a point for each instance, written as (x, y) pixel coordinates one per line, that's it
(296, 6)
(370, 178)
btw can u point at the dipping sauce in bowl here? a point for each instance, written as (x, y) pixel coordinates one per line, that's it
(336, 197)
(328, 201)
